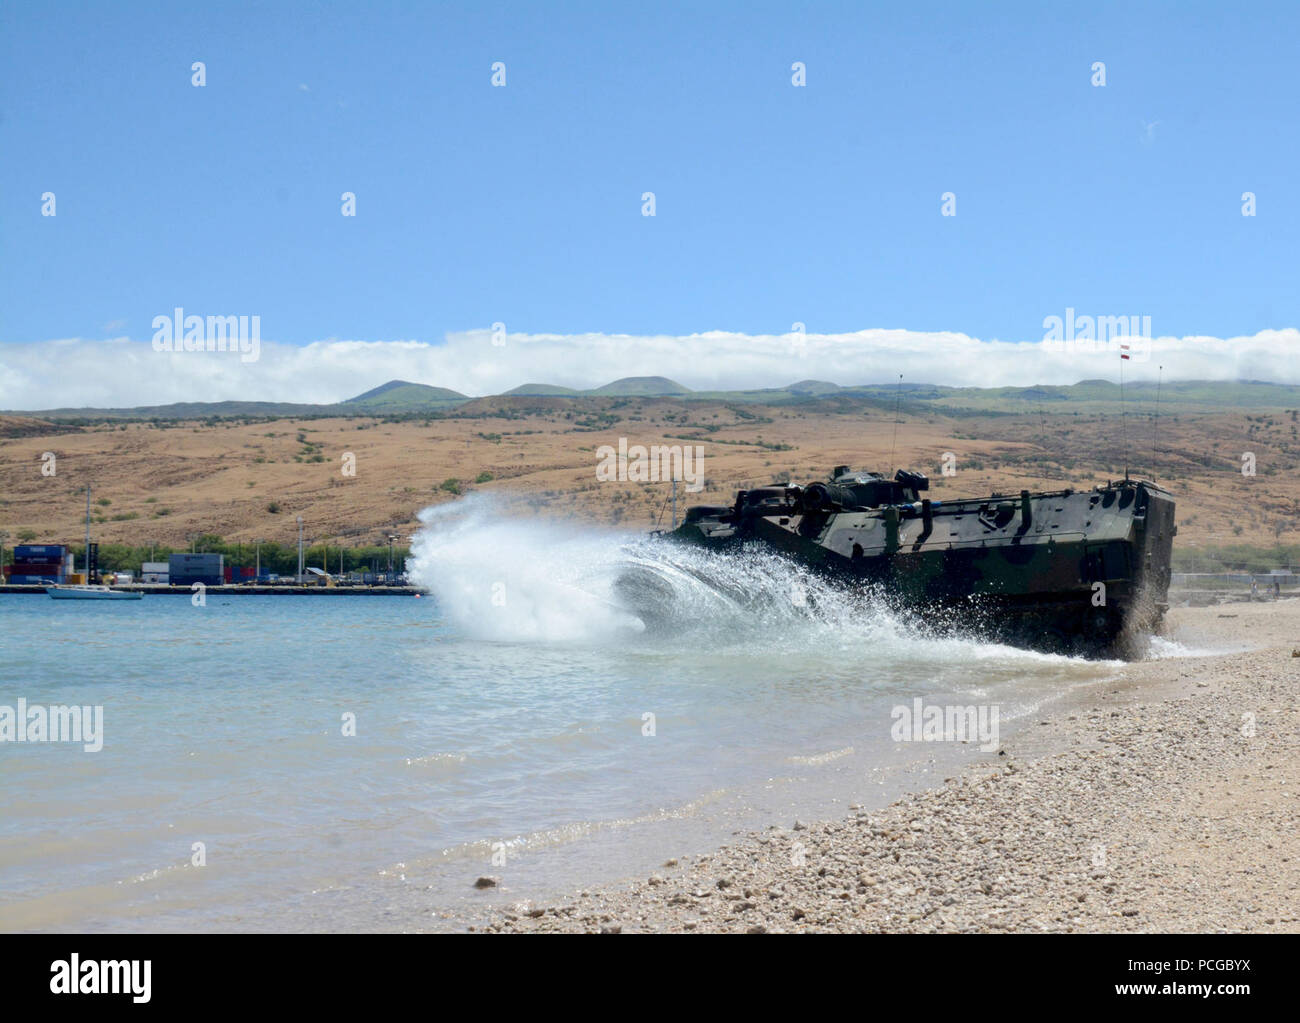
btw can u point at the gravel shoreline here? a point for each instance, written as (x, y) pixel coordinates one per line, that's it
(1156, 805)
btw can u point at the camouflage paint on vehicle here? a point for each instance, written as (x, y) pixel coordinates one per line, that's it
(1068, 570)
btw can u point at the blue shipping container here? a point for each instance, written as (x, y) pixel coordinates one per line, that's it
(213, 562)
(185, 569)
(45, 552)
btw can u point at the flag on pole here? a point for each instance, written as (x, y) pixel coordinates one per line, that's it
(1123, 351)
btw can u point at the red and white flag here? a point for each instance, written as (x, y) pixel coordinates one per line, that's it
(1123, 351)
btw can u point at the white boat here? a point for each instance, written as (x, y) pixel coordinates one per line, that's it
(79, 592)
(84, 591)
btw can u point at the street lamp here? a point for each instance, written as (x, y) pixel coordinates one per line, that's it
(391, 538)
(299, 550)
(257, 572)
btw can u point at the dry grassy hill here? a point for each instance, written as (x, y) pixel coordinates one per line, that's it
(166, 482)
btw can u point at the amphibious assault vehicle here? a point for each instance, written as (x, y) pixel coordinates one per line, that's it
(1079, 571)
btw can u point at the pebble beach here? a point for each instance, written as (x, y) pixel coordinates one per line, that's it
(1164, 800)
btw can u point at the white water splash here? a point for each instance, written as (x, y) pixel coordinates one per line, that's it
(1162, 647)
(510, 579)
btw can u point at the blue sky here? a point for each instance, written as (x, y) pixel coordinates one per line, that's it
(522, 204)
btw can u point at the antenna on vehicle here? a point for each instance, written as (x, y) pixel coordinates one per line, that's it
(898, 397)
(1042, 425)
(1155, 432)
(659, 518)
(1123, 422)
(672, 497)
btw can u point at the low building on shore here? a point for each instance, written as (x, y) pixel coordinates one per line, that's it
(155, 572)
(317, 577)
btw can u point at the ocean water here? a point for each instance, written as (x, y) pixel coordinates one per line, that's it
(562, 708)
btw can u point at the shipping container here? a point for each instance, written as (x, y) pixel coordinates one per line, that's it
(39, 552)
(45, 570)
(185, 569)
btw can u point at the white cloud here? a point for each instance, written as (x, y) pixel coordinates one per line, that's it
(124, 372)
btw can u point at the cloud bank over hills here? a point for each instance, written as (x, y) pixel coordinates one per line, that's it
(124, 372)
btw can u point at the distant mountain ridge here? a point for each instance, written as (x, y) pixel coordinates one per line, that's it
(813, 387)
(400, 397)
(641, 387)
(542, 390)
(627, 387)
(404, 394)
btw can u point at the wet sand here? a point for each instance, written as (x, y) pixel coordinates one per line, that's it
(1166, 800)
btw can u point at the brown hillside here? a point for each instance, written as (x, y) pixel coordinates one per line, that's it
(166, 485)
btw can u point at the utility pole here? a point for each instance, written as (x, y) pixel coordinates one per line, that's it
(87, 533)
(4, 535)
(258, 570)
(299, 550)
(674, 503)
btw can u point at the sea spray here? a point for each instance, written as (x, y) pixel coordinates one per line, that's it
(513, 579)
(503, 577)
(508, 578)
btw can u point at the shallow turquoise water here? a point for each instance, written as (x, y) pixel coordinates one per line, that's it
(503, 714)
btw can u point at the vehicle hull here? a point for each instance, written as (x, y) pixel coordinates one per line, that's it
(1067, 571)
